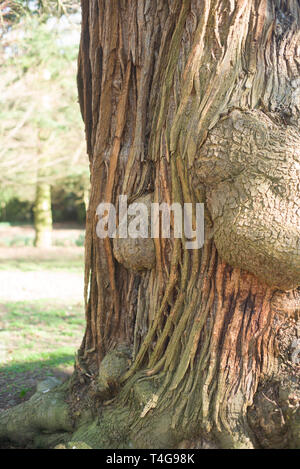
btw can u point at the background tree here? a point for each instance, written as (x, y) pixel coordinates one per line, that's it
(41, 130)
(188, 102)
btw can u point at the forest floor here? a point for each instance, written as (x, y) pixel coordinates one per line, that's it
(41, 316)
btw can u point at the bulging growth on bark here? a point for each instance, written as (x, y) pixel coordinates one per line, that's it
(250, 165)
(192, 101)
(136, 254)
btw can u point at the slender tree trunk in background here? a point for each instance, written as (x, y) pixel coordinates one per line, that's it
(43, 216)
(192, 101)
(42, 211)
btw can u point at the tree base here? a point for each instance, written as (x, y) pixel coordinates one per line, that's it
(145, 413)
(51, 419)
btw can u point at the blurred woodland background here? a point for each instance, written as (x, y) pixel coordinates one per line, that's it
(44, 189)
(43, 165)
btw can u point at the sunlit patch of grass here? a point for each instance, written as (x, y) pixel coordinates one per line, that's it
(38, 338)
(62, 356)
(52, 331)
(42, 312)
(25, 265)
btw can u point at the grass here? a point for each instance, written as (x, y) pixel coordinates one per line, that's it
(38, 337)
(48, 264)
(22, 235)
(26, 241)
(60, 357)
(26, 265)
(39, 332)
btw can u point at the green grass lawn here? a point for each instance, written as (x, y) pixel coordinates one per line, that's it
(26, 265)
(39, 337)
(40, 333)
(55, 261)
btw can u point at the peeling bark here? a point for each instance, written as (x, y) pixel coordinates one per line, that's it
(212, 108)
(194, 102)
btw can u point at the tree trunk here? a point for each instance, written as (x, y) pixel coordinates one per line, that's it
(42, 210)
(43, 216)
(188, 102)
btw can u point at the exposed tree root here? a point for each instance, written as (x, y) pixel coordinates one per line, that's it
(45, 421)
(42, 421)
(136, 419)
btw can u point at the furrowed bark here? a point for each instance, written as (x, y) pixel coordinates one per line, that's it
(193, 102)
(208, 329)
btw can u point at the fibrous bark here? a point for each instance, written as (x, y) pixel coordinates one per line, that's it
(194, 102)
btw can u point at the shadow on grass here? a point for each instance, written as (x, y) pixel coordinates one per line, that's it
(40, 361)
(18, 380)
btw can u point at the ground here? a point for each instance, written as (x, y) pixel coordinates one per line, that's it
(41, 310)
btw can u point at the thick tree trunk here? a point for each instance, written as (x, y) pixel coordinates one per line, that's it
(163, 74)
(189, 101)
